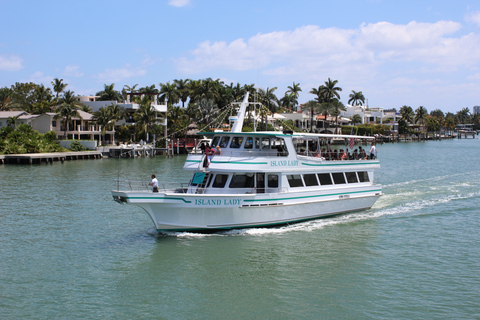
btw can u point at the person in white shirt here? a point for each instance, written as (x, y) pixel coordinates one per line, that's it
(154, 184)
(373, 151)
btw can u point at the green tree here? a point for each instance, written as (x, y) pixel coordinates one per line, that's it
(145, 116)
(356, 118)
(58, 87)
(67, 109)
(406, 114)
(182, 89)
(104, 117)
(168, 92)
(356, 98)
(295, 90)
(312, 105)
(109, 94)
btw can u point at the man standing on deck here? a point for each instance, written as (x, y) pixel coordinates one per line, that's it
(373, 151)
(154, 184)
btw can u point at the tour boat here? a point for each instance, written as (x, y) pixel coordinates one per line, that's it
(259, 179)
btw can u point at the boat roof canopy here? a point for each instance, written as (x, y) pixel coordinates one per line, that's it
(289, 134)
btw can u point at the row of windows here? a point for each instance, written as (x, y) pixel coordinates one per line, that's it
(312, 179)
(245, 181)
(294, 180)
(250, 142)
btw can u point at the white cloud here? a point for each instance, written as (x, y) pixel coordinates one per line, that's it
(40, 77)
(312, 53)
(72, 71)
(116, 75)
(473, 17)
(10, 63)
(179, 3)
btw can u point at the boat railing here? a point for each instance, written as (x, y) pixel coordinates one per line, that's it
(334, 157)
(248, 154)
(144, 186)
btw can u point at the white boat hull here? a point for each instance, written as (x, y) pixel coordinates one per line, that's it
(183, 212)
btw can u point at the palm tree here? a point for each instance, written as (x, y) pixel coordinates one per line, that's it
(104, 118)
(337, 106)
(312, 105)
(67, 110)
(58, 86)
(169, 92)
(178, 120)
(420, 115)
(109, 94)
(295, 89)
(356, 98)
(145, 116)
(356, 118)
(268, 98)
(183, 91)
(406, 114)
(129, 90)
(12, 121)
(463, 116)
(288, 101)
(331, 90)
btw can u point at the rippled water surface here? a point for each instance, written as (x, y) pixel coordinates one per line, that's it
(69, 252)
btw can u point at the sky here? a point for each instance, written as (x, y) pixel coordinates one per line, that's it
(410, 52)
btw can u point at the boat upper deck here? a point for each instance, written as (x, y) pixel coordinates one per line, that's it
(271, 151)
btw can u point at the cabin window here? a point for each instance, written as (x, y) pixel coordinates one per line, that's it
(310, 180)
(279, 145)
(265, 143)
(325, 179)
(198, 178)
(220, 181)
(242, 181)
(351, 177)
(236, 142)
(224, 141)
(338, 177)
(248, 143)
(363, 176)
(273, 181)
(215, 141)
(295, 180)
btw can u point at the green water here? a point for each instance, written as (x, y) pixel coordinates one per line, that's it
(69, 252)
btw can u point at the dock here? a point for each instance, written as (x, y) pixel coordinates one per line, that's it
(37, 158)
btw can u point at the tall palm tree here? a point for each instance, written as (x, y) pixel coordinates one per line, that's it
(331, 89)
(268, 98)
(463, 116)
(109, 93)
(312, 105)
(337, 106)
(420, 115)
(145, 116)
(288, 101)
(129, 90)
(406, 114)
(183, 91)
(168, 92)
(356, 118)
(356, 98)
(104, 118)
(295, 89)
(58, 86)
(68, 109)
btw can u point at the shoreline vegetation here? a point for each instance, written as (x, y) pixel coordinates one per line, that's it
(208, 103)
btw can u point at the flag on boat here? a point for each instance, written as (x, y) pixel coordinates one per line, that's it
(352, 143)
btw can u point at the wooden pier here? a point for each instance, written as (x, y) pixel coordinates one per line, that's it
(37, 158)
